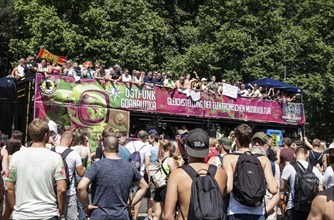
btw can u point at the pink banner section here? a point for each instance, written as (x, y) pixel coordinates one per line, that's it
(64, 90)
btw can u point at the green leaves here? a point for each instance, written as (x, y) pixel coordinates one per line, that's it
(234, 40)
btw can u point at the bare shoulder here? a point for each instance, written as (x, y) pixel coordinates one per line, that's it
(264, 160)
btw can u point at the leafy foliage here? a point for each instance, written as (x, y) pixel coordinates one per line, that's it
(232, 39)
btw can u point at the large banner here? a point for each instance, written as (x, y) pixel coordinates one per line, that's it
(89, 103)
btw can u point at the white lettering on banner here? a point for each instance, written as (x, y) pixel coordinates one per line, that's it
(138, 104)
(258, 110)
(218, 106)
(184, 103)
(140, 94)
(230, 91)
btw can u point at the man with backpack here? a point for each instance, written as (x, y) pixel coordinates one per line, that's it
(260, 144)
(140, 158)
(196, 189)
(304, 181)
(248, 177)
(72, 162)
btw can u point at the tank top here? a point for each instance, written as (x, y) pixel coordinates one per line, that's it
(20, 71)
(154, 154)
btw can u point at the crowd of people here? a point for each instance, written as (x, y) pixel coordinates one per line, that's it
(164, 79)
(242, 175)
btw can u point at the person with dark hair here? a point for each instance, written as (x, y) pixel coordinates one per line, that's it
(78, 146)
(287, 154)
(111, 179)
(179, 186)
(13, 145)
(41, 170)
(238, 208)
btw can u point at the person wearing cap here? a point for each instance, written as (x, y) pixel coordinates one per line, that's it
(204, 84)
(180, 150)
(243, 136)
(54, 138)
(288, 179)
(179, 182)
(260, 144)
(224, 147)
(328, 177)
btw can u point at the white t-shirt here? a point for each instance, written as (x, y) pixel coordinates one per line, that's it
(34, 172)
(73, 160)
(143, 150)
(328, 178)
(289, 174)
(126, 78)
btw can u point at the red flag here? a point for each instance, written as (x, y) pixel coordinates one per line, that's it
(44, 54)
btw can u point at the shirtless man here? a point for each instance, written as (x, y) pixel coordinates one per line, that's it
(179, 182)
(243, 134)
(322, 205)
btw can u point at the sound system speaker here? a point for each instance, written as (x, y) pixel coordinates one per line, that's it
(8, 105)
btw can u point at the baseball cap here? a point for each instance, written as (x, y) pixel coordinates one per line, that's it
(331, 147)
(203, 79)
(181, 131)
(152, 131)
(197, 143)
(226, 143)
(53, 126)
(261, 135)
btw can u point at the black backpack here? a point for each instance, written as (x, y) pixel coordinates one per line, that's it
(63, 157)
(249, 186)
(206, 200)
(306, 187)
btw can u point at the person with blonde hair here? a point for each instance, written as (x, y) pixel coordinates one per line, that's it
(168, 164)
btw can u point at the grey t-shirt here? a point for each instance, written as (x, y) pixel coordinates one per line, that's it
(111, 181)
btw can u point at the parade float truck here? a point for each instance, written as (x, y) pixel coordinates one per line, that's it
(91, 105)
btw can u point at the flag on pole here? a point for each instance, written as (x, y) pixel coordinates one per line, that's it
(44, 54)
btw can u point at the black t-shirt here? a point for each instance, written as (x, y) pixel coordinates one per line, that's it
(30, 72)
(98, 152)
(116, 75)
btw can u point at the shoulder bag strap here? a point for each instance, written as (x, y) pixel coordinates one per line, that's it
(297, 167)
(212, 170)
(310, 167)
(190, 171)
(66, 153)
(134, 146)
(162, 167)
(142, 147)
